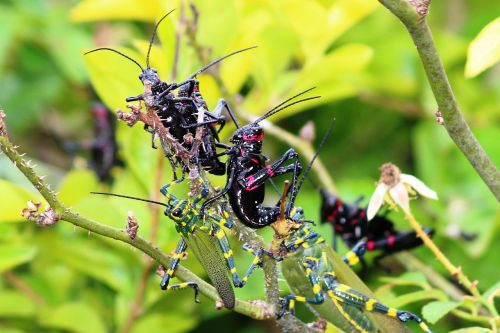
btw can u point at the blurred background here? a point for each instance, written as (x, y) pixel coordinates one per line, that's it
(361, 60)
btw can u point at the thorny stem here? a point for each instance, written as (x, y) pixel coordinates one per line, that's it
(412, 14)
(66, 214)
(454, 271)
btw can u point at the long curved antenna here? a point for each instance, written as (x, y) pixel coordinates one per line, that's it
(286, 101)
(216, 61)
(120, 53)
(269, 114)
(129, 197)
(154, 35)
(295, 190)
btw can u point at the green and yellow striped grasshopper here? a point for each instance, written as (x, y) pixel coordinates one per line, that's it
(315, 275)
(206, 239)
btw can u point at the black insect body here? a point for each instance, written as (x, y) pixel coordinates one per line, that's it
(180, 113)
(350, 222)
(103, 147)
(247, 172)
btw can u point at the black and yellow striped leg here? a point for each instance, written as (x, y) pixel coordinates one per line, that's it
(228, 256)
(224, 221)
(288, 303)
(296, 242)
(178, 254)
(356, 254)
(340, 293)
(164, 188)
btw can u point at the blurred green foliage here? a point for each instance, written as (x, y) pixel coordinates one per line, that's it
(364, 65)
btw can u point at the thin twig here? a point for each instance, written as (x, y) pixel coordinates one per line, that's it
(452, 269)
(23, 287)
(412, 14)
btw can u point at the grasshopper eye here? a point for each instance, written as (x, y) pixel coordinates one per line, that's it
(177, 212)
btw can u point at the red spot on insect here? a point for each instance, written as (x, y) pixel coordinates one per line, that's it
(250, 181)
(255, 137)
(370, 245)
(332, 216)
(270, 171)
(256, 161)
(390, 240)
(362, 213)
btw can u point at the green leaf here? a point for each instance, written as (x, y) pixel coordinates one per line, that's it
(12, 255)
(417, 296)
(96, 262)
(4, 329)
(158, 323)
(408, 279)
(15, 304)
(73, 317)
(493, 290)
(76, 185)
(484, 50)
(475, 329)
(14, 198)
(434, 311)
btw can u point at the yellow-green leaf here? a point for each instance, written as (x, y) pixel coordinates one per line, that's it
(114, 77)
(484, 50)
(95, 10)
(73, 317)
(15, 304)
(76, 185)
(14, 198)
(12, 255)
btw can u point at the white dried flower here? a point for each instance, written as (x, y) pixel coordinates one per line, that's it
(395, 189)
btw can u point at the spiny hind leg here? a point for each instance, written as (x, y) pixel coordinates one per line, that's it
(345, 295)
(180, 251)
(229, 258)
(288, 303)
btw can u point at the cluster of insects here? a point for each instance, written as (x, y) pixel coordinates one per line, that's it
(202, 217)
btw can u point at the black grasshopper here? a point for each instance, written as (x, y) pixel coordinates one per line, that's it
(103, 147)
(247, 171)
(349, 222)
(180, 113)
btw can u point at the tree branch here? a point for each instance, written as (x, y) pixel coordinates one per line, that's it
(412, 14)
(66, 214)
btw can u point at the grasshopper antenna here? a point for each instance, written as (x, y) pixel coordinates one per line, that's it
(130, 197)
(216, 61)
(284, 102)
(295, 190)
(120, 53)
(154, 35)
(276, 110)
